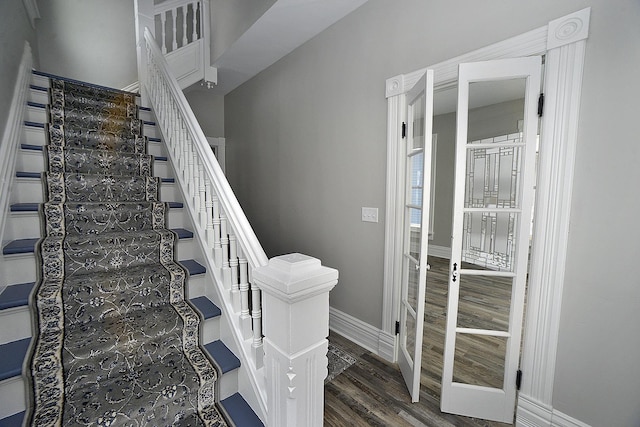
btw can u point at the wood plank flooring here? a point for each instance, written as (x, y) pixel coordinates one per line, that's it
(372, 391)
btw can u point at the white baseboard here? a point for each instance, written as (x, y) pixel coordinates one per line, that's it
(531, 413)
(355, 330)
(439, 251)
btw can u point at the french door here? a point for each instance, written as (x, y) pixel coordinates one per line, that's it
(417, 140)
(493, 200)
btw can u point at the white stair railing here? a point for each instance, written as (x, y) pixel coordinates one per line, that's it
(287, 368)
(231, 246)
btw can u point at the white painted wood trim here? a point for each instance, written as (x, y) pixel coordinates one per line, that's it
(361, 333)
(563, 80)
(11, 137)
(32, 11)
(536, 414)
(558, 142)
(133, 87)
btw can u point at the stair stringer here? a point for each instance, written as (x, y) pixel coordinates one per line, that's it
(251, 381)
(11, 137)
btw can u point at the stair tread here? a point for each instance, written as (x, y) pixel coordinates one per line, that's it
(32, 147)
(23, 174)
(14, 420)
(16, 295)
(20, 246)
(177, 205)
(25, 207)
(41, 88)
(183, 233)
(36, 104)
(161, 158)
(224, 358)
(12, 355)
(208, 309)
(240, 411)
(193, 267)
(34, 124)
(80, 82)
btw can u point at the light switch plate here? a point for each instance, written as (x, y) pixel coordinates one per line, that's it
(370, 214)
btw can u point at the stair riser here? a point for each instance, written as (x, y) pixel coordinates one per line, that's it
(228, 384)
(16, 324)
(36, 114)
(22, 225)
(39, 96)
(12, 396)
(19, 268)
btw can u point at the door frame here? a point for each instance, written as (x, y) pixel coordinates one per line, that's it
(563, 43)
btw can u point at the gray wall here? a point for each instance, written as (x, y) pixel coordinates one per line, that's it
(306, 143)
(208, 108)
(230, 19)
(89, 40)
(15, 29)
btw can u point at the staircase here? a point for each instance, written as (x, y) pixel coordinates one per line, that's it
(22, 232)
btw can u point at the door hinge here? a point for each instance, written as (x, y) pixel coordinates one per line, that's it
(397, 327)
(404, 130)
(540, 104)
(518, 379)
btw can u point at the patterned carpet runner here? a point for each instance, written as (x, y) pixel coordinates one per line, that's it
(116, 342)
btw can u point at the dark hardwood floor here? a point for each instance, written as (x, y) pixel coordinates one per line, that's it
(372, 391)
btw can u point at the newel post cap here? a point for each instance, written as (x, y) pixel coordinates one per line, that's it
(295, 277)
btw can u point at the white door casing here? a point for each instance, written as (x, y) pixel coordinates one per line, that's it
(415, 238)
(563, 42)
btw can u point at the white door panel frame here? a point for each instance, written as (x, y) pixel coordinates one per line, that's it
(562, 42)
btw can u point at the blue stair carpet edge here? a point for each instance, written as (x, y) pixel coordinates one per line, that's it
(223, 357)
(20, 246)
(149, 122)
(14, 420)
(32, 147)
(208, 309)
(240, 412)
(25, 207)
(40, 88)
(23, 174)
(12, 355)
(193, 267)
(36, 104)
(183, 233)
(67, 79)
(34, 124)
(155, 139)
(161, 158)
(16, 295)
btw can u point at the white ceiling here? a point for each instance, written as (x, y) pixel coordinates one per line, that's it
(285, 26)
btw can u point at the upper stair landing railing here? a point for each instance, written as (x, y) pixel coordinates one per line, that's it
(181, 28)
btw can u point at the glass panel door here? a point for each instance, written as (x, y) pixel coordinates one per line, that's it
(494, 182)
(416, 228)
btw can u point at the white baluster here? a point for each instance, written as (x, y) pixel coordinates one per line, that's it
(194, 17)
(243, 286)
(209, 217)
(174, 16)
(256, 322)
(163, 37)
(185, 9)
(217, 246)
(203, 194)
(224, 243)
(233, 265)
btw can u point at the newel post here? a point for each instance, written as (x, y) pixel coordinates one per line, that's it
(295, 303)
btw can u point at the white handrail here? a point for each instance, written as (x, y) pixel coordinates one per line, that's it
(232, 249)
